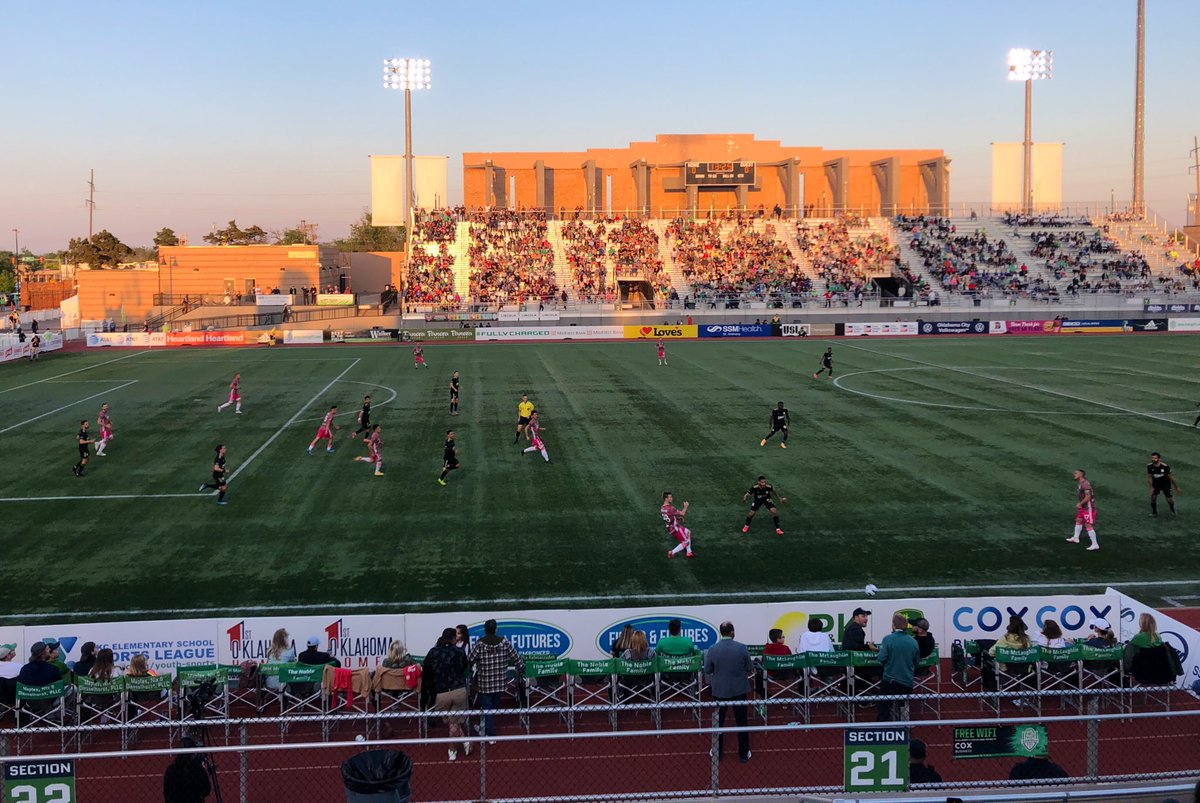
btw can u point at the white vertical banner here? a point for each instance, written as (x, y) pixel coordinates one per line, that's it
(1183, 638)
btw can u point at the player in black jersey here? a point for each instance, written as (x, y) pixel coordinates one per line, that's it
(1161, 480)
(449, 457)
(364, 419)
(779, 423)
(763, 493)
(826, 364)
(84, 443)
(218, 470)
(454, 394)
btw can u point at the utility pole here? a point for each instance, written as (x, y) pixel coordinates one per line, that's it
(1139, 122)
(1196, 167)
(91, 201)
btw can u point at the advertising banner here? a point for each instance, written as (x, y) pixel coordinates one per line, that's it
(987, 617)
(1171, 308)
(508, 315)
(210, 338)
(998, 328)
(735, 330)
(1001, 741)
(1107, 325)
(1183, 324)
(423, 335)
(822, 329)
(11, 348)
(333, 299)
(882, 328)
(1024, 327)
(356, 641)
(440, 317)
(166, 643)
(550, 333)
(139, 339)
(796, 330)
(303, 336)
(1183, 638)
(954, 327)
(1150, 325)
(530, 315)
(274, 300)
(671, 332)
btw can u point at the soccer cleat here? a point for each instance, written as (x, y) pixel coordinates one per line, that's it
(1154, 515)
(746, 529)
(353, 435)
(378, 473)
(763, 442)
(1093, 548)
(441, 481)
(778, 531)
(1072, 540)
(218, 408)
(310, 451)
(670, 555)
(222, 502)
(329, 451)
(691, 554)
(783, 446)
(239, 412)
(202, 487)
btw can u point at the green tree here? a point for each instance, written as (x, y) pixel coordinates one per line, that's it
(165, 236)
(293, 237)
(365, 237)
(110, 250)
(234, 235)
(80, 252)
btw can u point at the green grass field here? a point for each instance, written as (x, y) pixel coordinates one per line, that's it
(930, 462)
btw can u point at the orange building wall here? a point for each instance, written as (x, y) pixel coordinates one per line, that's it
(672, 149)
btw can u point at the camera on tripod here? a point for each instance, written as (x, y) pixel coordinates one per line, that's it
(200, 696)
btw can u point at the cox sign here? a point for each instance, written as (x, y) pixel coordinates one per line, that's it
(983, 619)
(528, 636)
(702, 634)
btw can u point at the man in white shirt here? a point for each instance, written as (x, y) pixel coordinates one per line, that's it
(8, 667)
(813, 640)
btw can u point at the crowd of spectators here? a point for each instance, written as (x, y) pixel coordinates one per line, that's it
(510, 257)
(967, 263)
(431, 275)
(732, 259)
(847, 263)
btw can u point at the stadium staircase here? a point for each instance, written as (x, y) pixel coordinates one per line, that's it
(462, 261)
(678, 281)
(562, 268)
(1142, 236)
(785, 232)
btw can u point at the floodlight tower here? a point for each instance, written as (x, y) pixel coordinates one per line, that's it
(407, 74)
(1029, 66)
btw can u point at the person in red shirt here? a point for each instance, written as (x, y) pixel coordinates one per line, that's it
(775, 645)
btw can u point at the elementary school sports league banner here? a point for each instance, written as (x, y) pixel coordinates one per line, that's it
(363, 641)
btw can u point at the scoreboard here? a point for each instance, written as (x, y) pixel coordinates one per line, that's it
(718, 174)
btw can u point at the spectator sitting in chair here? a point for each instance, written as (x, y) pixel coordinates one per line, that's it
(8, 667)
(675, 643)
(918, 770)
(281, 652)
(315, 657)
(39, 671)
(87, 658)
(55, 660)
(639, 648)
(1102, 634)
(925, 641)
(1148, 658)
(398, 656)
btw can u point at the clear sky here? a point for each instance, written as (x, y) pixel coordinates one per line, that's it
(266, 111)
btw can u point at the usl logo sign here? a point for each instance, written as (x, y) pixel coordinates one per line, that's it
(702, 634)
(528, 636)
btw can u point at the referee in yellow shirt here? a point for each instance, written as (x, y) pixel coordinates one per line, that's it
(524, 410)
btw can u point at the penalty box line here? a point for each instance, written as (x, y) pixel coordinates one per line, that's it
(76, 371)
(121, 386)
(1015, 383)
(291, 420)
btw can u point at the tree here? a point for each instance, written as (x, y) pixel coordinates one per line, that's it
(233, 235)
(365, 237)
(109, 250)
(165, 236)
(81, 252)
(293, 237)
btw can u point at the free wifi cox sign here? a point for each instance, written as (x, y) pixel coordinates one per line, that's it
(702, 634)
(528, 636)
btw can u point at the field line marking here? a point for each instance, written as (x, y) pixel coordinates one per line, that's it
(68, 406)
(96, 497)
(373, 405)
(291, 420)
(1020, 385)
(469, 604)
(68, 373)
(1173, 602)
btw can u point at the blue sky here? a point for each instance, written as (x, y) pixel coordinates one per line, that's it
(266, 111)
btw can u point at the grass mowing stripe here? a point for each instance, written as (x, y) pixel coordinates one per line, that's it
(291, 421)
(69, 406)
(1022, 385)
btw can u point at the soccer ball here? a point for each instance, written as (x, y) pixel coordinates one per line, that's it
(870, 590)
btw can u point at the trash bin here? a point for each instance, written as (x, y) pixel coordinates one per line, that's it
(377, 776)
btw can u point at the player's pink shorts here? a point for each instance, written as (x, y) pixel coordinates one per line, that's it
(683, 535)
(324, 432)
(105, 434)
(662, 353)
(419, 359)
(234, 396)
(1087, 516)
(537, 444)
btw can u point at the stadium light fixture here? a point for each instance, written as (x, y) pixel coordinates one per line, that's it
(1029, 66)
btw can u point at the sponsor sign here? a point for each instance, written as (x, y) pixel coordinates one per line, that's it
(1150, 325)
(422, 335)
(274, 300)
(954, 327)
(210, 338)
(822, 329)
(303, 336)
(356, 641)
(703, 634)
(1183, 638)
(669, 332)
(439, 317)
(1026, 327)
(550, 333)
(1000, 741)
(11, 348)
(998, 328)
(1183, 325)
(165, 643)
(39, 781)
(1109, 325)
(735, 330)
(986, 617)
(876, 759)
(333, 299)
(882, 328)
(528, 636)
(532, 315)
(796, 329)
(1171, 308)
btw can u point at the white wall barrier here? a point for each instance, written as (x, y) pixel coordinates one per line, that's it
(11, 348)
(1183, 638)
(550, 333)
(882, 328)
(1183, 324)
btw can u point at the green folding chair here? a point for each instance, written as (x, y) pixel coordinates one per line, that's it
(828, 679)
(783, 678)
(1103, 668)
(148, 700)
(99, 702)
(547, 686)
(1060, 671)
(41, 708)
(300, 692)
(927, 683)
(635, 685)
(592, 684)
(680, 678)
(1016, 671)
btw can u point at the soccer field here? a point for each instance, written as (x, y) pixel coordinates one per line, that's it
(928, 463)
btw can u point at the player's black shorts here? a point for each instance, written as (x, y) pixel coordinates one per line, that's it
(1162, 489)
(756, 505)
(454, 394)
(451, 462)
(218, 479)
(779, 427)
(522, 421)
(83, 450)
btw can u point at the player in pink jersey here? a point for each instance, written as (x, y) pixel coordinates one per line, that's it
(104, 422)
(235, 395)
(325, 431)
(533, 434)
(1085, 511)
(374, 450)
(662, 352)
(419, 357)
(673, 517)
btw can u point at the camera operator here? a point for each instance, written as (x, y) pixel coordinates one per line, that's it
(186, 779)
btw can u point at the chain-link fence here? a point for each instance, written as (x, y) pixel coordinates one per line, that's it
(795, 746)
